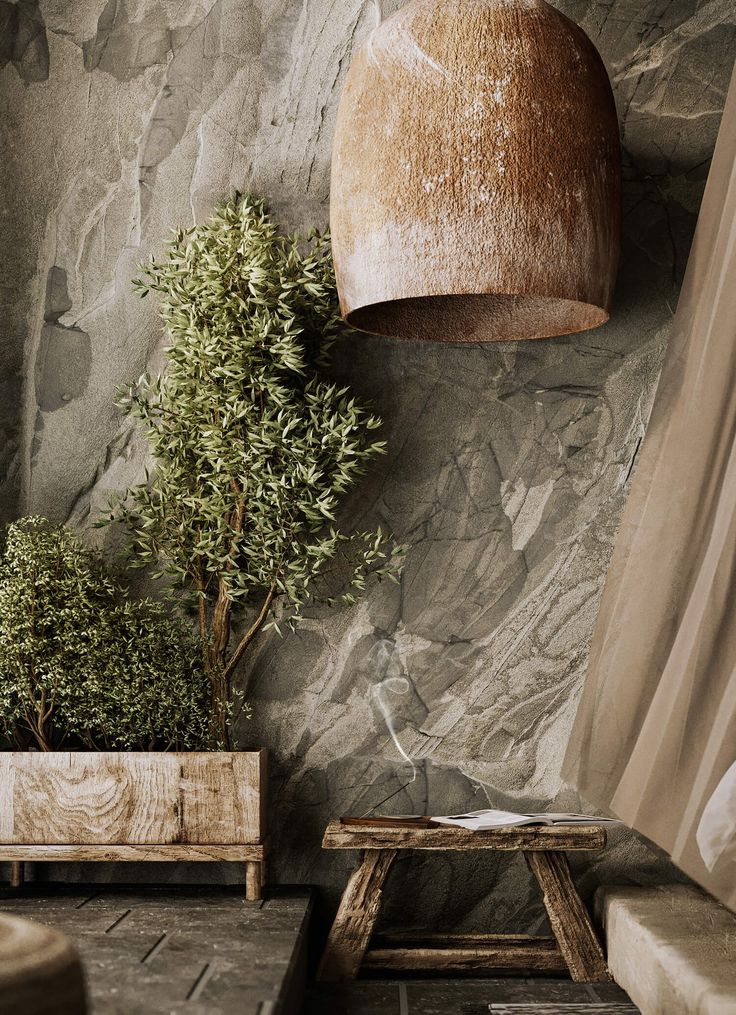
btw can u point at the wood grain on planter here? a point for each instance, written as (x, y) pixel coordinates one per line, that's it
(250, 855)
(129, 798)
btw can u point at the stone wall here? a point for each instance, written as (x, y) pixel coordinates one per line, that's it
(507, 465)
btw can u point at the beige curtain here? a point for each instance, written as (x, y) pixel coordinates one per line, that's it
(655, 737)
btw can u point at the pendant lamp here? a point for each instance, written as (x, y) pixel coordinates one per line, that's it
(476, 176)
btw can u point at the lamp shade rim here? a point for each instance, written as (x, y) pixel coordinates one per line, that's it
(489, 317)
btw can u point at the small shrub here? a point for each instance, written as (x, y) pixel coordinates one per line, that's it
(81, 665)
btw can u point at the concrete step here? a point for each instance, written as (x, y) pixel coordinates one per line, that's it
(671, 947)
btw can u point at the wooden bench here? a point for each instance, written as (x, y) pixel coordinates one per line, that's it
(575, 947)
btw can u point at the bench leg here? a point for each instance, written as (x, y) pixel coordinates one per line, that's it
(568, 917)
(17, 873)
(356, 917)
(253, 881)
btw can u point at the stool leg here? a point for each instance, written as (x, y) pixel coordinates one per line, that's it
(568, 917)
(17, 873)
(356, 917)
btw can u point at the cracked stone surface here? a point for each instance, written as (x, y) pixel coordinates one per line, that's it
(507, 465)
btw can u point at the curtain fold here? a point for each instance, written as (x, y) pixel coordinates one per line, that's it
(654, 741)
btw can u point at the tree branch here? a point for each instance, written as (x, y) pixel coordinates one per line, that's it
(249, 635)
(223, 605)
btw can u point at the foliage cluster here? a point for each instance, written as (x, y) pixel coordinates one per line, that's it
(81, 665)
(254, 449)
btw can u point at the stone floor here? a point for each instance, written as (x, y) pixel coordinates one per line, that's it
(153, 951)
(468, 997)
(183, 952)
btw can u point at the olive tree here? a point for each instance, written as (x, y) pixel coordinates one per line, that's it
(253, 447)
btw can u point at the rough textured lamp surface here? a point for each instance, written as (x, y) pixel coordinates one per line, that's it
(476, 176)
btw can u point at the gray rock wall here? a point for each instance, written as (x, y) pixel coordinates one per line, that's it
(507, 465)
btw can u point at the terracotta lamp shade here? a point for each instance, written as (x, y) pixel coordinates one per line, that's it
(476, 176)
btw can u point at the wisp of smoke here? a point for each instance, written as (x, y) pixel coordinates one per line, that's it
(384, 664)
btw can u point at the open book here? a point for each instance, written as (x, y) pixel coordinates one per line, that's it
(480, 821)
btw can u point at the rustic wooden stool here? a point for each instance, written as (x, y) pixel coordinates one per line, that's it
(574, 948)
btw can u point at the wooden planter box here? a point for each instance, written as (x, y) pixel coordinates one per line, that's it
(79, 805)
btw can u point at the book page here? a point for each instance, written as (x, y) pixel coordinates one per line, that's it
(487, 819)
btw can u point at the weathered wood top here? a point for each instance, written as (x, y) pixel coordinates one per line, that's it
(199, 952)
(529, 837)
(107, 797)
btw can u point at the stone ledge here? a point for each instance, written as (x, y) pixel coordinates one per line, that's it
(671, 947)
